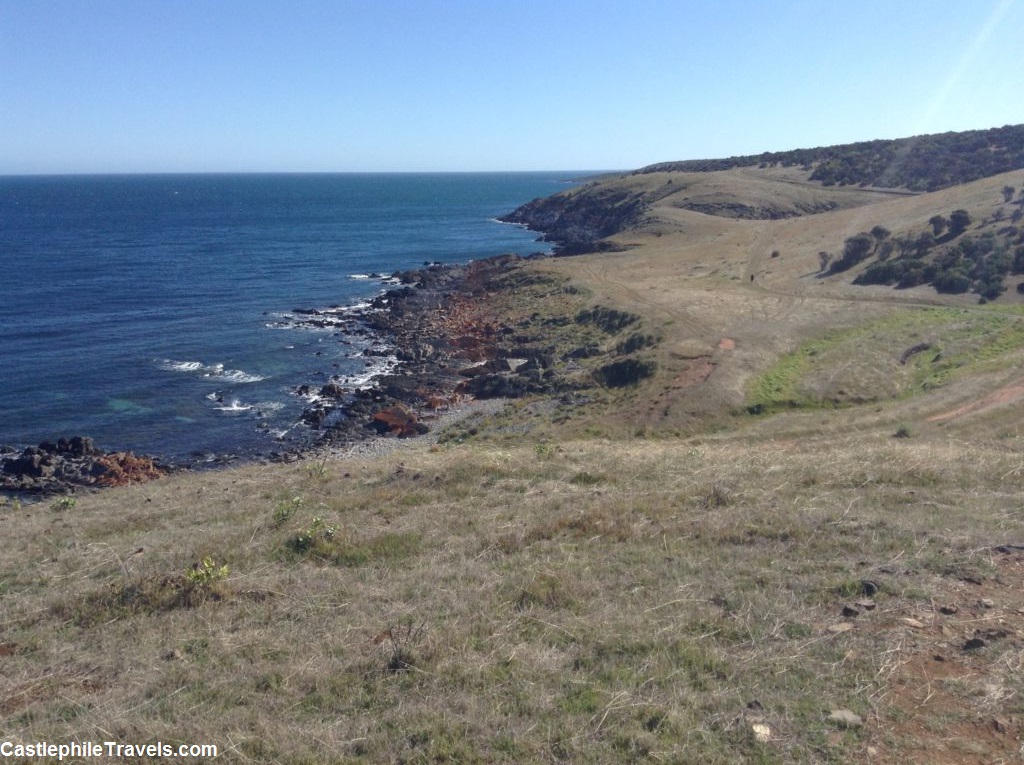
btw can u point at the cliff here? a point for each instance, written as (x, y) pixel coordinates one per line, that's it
(577, 220)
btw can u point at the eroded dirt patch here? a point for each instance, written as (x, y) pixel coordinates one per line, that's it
(1005, 395)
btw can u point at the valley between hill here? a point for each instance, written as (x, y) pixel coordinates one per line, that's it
(766, 515)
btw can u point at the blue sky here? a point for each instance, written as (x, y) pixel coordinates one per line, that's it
(390, 85)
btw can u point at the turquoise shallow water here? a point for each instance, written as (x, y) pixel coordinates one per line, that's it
(154, 313)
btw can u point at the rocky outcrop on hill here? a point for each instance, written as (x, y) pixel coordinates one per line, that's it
(56, 468)
(578, 219)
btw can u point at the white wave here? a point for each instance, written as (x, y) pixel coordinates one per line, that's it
(358, 276)
(237, 376)
(381, 365)
(209, 370)
(234, 406)
(317, 320)
(170, 365)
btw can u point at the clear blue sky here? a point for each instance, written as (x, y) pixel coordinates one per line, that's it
(396, 85)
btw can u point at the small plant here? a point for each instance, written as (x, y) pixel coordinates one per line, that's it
(318, 468)
(206, 572)
(545, 450)
(902, 432)
(715, 496)
(585, 478)
(64, 503)
(317, 533)
(400, 641)
(285, 510)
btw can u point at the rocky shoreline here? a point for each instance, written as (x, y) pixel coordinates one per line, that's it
(69, 463)
(446, 349)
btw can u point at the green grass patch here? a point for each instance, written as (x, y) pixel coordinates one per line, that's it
(958, 341)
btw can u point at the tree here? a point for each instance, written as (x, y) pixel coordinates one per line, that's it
(855, 249)
(880, 233)
(1008, 192)
(923, 244)
(939, 224)
(825, 257)
(959, 220)
(952, 282)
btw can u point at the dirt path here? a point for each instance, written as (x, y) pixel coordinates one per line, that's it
(1007, 394)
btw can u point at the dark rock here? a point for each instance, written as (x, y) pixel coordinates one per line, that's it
(869, 587)
(333, 390)
(57, 468)
(495, 386)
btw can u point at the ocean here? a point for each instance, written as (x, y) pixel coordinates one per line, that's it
(158, 314)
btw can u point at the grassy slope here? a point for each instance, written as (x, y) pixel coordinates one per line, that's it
(643, 574)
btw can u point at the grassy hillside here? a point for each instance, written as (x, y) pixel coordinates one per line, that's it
(712, 600)
(768, 516)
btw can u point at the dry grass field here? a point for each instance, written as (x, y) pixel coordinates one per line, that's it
(792, 543)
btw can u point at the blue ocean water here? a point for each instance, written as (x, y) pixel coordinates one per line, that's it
(154, 313)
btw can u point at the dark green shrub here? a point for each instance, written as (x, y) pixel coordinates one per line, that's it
(619, 374)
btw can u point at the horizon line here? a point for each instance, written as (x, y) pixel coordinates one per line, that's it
(122, 173)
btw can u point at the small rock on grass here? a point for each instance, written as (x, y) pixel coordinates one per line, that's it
(845, 718)
(841, 627)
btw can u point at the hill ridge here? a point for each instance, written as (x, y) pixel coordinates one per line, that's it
(920, 163)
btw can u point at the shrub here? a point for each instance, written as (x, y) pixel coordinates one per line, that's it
(619, 374)
(634, 343)
(206, 572)
(855, 249)
(607, 319)
(952, 282)
(959, 220)
(888, 272)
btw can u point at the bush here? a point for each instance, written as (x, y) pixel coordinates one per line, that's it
(952, 282)
(619, 374)
(888, 272)
(855, 249)
(959, 220)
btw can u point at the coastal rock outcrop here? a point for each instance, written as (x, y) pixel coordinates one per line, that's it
(54, 468)
(577, 220)
(447, 347)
